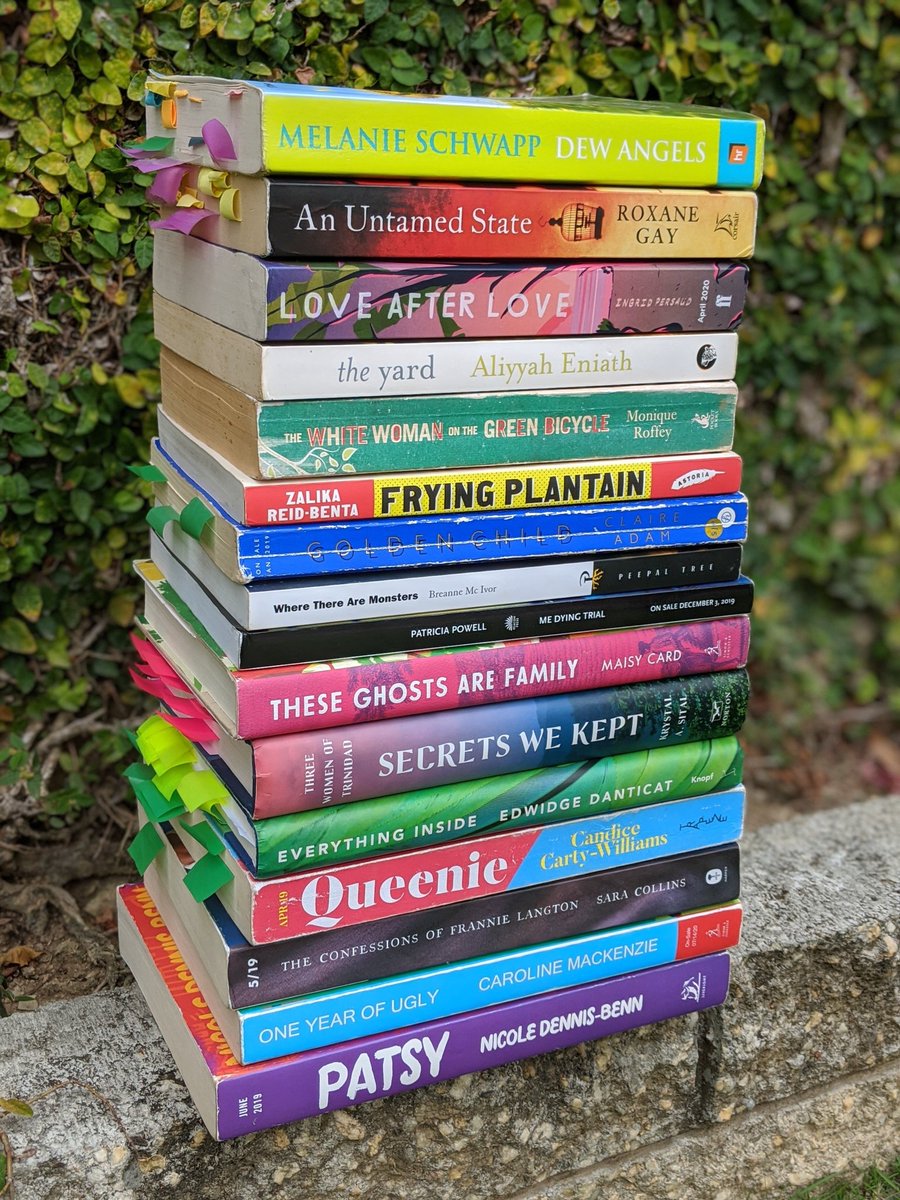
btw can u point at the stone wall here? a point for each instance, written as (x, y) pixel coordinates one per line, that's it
(798, 1075)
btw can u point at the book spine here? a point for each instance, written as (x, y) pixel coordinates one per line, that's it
(324, 438)
(347, 894)
(337, 219)
(348, 832)
(283, 552)
(303, 372)
(418, 593)
(324, 695)
(396, 301)
(380, 1006)
(275, 971)
(361, 762)
(466, 492)
(463, 626)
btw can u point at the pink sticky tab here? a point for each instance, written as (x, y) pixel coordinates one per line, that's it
(149, 166)
(194, 728)
(183, 219)
(218, 141)
(153, 687)
(166, 185)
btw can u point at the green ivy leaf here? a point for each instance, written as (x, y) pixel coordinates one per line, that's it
(16, 637)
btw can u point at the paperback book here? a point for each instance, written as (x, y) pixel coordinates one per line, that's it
(280, 217)
(356, 301)
(286, 128)
(462, 492)
(404, 433)
(233, 1100)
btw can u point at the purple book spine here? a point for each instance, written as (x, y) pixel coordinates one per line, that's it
(388, 1064)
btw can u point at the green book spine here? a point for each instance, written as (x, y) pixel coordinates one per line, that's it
(528, 798)
(350, 437)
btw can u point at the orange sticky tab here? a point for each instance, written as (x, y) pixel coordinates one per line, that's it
(168, 114)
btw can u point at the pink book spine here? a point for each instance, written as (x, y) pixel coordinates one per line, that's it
(324, 695)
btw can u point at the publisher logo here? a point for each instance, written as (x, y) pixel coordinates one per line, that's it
(714, 876)
(511, 624)
(737, 152)
(713, 528)
(706, 357)
(727, 516)
(694, 988)
(727, 223)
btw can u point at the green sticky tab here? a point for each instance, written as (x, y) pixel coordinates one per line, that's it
(138, 771)
(169, 780)
(159, 144)
(160, 516)
(201, 789)
(131, 737)
(145, 847)
(194, 518)
(207, 837)
(154, 804)
(148, 472)
(206, 877)
(173, 756)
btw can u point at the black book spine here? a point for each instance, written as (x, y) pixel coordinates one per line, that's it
(467, 627)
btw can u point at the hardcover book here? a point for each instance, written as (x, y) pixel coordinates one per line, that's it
(292, 629)
(438, 368)
(429, 817)
(356, 301)
(286, 128)
(269, 700)
(243, 974)
(233, 1100)
(342, 437)
(345, 547)
(338, 218)
(454, 492)
(346, 894)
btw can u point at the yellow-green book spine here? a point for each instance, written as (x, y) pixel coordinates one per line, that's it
(512, 142)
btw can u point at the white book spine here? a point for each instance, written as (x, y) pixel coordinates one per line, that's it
(498, 365)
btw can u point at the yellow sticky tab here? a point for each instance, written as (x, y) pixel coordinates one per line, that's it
(180, 93)
(186, 200)
(230, 204)
(211, 182)
(168, 114)
(167, 783)
(173, 756)
(201, 789)
(161, 87)
(147, 727)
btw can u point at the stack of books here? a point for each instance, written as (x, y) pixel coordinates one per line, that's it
(444, 608)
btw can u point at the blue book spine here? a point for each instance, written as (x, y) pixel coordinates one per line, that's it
(291, 551)
(362, 1010)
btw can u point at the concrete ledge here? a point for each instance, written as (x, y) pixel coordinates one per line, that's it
(798, 1075)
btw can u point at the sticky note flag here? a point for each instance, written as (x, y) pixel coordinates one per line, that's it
(183, 220)
(168, 114)
(167, 782)
(151, 145)
(206, 877)
(230, 204)
(148, 472)
(160, 516)
(207, 837)
(201, 789)
(218, 141)
(195, 516)
(145, 847)
(138, 771)
(156, 807)
(161, 87)
(211, 182)
(194, 728)
(166, 185)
